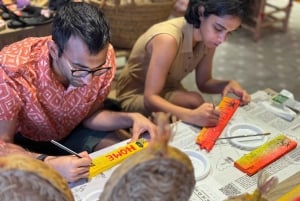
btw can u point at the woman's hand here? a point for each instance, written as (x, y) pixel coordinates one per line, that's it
(71, 167)
(206, 115)
(235, 88)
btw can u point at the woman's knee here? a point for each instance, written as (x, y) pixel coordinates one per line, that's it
(187, 99)
(194, 100)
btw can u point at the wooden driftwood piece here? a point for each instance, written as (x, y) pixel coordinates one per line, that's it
(156, 173)
(264, 184)
(27, 179)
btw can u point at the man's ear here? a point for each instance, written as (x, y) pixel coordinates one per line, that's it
(53, 49)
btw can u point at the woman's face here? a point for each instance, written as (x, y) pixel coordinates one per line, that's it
(214, 30)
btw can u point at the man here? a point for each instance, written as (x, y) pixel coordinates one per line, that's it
(53, 88)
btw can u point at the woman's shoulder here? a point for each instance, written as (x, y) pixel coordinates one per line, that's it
(177, 22)
(172, 27)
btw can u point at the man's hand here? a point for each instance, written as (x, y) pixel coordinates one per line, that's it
(71, 168)
(141, 125)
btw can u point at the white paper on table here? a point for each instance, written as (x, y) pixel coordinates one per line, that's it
(224, 179)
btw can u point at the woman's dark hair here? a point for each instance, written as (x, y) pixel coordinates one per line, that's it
(82, 20)
(238, 8)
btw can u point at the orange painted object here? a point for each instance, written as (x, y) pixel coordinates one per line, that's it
(208, 136)
(267, 153)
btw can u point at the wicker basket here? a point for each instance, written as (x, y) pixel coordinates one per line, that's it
(130, 19)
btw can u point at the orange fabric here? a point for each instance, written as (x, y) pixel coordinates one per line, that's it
(44, 109)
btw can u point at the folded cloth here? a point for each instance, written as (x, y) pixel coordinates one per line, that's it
(30, 16)
(28, 21)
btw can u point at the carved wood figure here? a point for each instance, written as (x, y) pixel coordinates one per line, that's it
(157, 173)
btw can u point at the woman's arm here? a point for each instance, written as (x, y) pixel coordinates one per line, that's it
(206, 83)
(163, 49)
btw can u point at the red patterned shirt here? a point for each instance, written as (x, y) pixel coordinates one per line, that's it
(43, 107)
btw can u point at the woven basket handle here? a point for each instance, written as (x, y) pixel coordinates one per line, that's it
(117, 2)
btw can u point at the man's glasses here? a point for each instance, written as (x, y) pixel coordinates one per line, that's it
(84, 72)
(95, 72)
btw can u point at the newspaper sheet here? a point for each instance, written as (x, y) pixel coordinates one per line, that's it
(224, 179)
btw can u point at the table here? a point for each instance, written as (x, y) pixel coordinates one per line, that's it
(223, 176)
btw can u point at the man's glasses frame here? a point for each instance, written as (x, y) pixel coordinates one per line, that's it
(79, 73)
(95, 72)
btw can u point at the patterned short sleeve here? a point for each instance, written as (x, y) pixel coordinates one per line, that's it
(10, 102)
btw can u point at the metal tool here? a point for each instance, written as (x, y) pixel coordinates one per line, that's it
(242, 136)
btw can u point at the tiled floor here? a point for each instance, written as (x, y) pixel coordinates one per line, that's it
(272, 62)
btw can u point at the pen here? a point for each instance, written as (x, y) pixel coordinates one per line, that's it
(67, 149)
(241, 136)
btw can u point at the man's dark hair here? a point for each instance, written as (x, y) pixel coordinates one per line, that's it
(56, 4)
(238, 8)
(82, 20)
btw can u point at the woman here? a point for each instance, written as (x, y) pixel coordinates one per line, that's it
(170, 50)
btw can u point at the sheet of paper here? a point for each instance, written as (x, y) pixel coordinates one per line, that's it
(223, 179)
